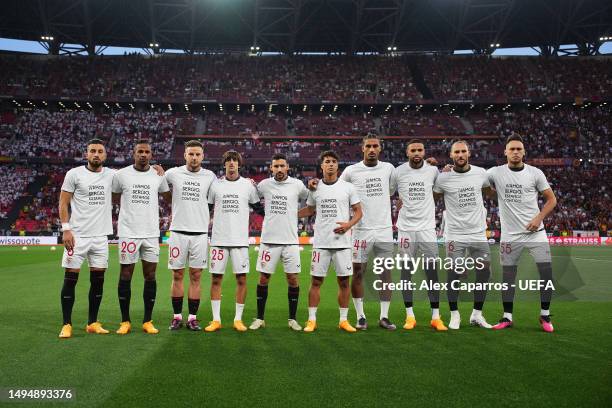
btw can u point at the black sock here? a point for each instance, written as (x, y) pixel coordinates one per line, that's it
(482, 277)
(452, 294)
(67, 295)
(177, 304)
(431, 273)
(95, 294)
(124, 291)
(545, 270)
(406, 276)
(509, 273)
(452, 306)
(194, 305)
(293, 295)
(148, 296)
(262, 296)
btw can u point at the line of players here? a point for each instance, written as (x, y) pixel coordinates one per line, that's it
(337, 203)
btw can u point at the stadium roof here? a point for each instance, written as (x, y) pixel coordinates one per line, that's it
(288, 26)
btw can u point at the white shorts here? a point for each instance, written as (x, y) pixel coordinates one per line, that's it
(322, 258)
(270, 254)
(133, 249)
(367, 241)
(183, 246)
(94, 249)
(415, 243)
(469, 245)
(220, 255)
(511, 247)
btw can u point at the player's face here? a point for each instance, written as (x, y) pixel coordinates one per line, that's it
(279, 169)
(371, 149)
(194, 156)
(515, 152)
(142, 154)
(96, 155)
(460, 154)
(329, 166)
(415, 152)
(231, 166)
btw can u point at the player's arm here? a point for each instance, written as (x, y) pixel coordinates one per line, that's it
(64, 203)
(258, 208)
(549, 205)
(345, 226)
(490, 193)
(307, 211)
(159, 169)
(167, 196)
(312, 184)
(116, 198)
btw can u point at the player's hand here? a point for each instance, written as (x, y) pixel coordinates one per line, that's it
(534, 224)
(342, 227)
(159, 169)
(447, 168)
(253, 182)
(312, 184)
(68, 239)
(432, 161)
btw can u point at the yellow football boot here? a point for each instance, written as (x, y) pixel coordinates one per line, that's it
(213, 326)
(311, 325)
(346, 326)
(438, 324)
(239, 326)
(96, 328)
(148, 327)
(124, 328)
(410, 323)
(66, 332)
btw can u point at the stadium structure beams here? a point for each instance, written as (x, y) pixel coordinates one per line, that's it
(301, 26)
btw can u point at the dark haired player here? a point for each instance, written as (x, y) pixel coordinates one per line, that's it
(138, 230)
(86, 191)
(518, 186)
(332, 202)
(279, 239)
(231, 197)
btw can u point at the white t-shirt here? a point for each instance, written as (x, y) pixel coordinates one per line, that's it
(190, 198)
(333, 204)
(281, 203)
(517, 194)
(465, 211)
(91, 204)
(231, 217)
(415, 188)
(373, 186)
(139, 214)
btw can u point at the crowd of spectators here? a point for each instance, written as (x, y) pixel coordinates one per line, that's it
(486, 77)
(14, 181)
(302, 78)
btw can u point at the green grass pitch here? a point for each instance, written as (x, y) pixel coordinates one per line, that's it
(276, 367)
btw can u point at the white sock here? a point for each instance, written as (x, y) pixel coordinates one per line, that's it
(216, 309)
(409, 312)
(384, 309)
(476, 313)
(239, 309)
(435, 314)
(508, 316)
(312, 314)
(544, 312)
(358, 302)
(191, 317)
(178, 316)
(455, 313)
(343, 314)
